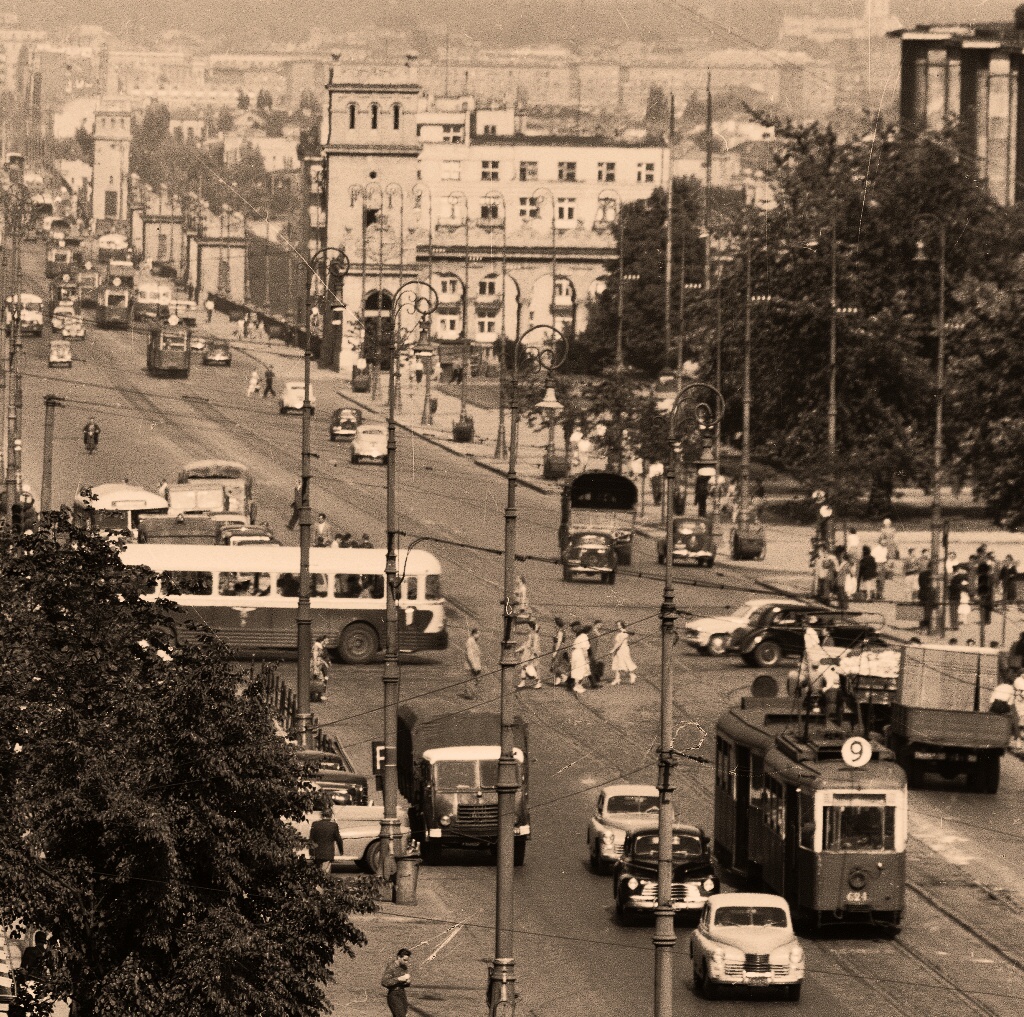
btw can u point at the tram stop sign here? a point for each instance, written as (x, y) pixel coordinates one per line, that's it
(856, 751)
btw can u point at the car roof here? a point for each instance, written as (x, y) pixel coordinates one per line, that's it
(748, 900)
(629, 789)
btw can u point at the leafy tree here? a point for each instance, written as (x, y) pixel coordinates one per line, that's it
(264, 101)
(225, 122)
(143, 792)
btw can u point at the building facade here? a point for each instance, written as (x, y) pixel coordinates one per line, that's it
(112, 143)
(969, 75)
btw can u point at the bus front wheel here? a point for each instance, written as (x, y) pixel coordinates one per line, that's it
(358, 643)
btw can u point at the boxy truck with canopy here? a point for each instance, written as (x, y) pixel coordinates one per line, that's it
(448, 771)
(232, 478)
(597, 502)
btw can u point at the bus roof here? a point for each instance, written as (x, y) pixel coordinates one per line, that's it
(272, 558)
(120, 496)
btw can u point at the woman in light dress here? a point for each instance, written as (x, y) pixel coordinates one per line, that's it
(622, 656)
(579, 660)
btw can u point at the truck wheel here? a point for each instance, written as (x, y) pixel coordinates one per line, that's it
(519, 851)
(430, 852)
(358, 643)
(625, 555)
(566, 574)
(984, 778)
(610, 578)
(767, 654)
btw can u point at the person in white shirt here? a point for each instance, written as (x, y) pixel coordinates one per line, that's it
(579, 661)
(622, 656)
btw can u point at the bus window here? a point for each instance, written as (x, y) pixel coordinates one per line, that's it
(366, 586)
(288, 584)
(244, 584)
(198, 584)
(433, 587)
(412, 585)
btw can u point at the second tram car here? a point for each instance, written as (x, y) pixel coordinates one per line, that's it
(114, 303)
(169, 352)
(792, 816)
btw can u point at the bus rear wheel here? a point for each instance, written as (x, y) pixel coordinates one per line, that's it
(358, 643)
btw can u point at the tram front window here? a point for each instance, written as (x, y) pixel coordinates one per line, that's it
(859, 826)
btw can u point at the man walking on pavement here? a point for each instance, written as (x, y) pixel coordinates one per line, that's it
(324, 836)
(396, 979)
(268, 382)
(529, 653)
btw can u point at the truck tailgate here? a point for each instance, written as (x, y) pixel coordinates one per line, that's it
(954, 728)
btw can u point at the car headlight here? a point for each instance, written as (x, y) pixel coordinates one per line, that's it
(718, 955)
(632, 883)
(616, 837)
(446, 820)
(708, 885)
(796, 954)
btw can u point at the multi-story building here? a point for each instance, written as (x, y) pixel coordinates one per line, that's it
(112, 143)
(969, 74)
(511, 230)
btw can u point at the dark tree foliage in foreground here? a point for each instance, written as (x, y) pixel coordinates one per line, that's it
(142, 791)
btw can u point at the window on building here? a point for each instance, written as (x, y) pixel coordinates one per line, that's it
(370, 216)
(489, 169)
(374, 115)
(527, 171)
(489, 211)
(645, 172)
(485, 324)
(606, 172)
(351, 116)
(567, 171)
(451, 134)
(448, 326)
(490, 129)
(528, 208)
(161, 247)
(450, 286)
(488, 287)
(223, 276)
(563, 288)
(451, 169)
(396, 116)
(566, 209)
(110, 204)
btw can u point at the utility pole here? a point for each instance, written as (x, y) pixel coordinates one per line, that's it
(50, 403)
(670, 137)
(745, 449)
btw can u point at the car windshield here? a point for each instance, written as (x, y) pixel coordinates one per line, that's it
(632, 803)
(757, 917)
(684, 846)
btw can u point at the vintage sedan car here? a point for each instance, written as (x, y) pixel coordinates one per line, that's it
(370, 444)
(344, 423)
(589, 554)
(636, 873)
(713, 635)
(60, 353)
(777, 632)
(217, 353)
(65, 309)
(356, 814)
(746, 939)
(292, 396)
(693, 543)
(74, 327)
(621, 808)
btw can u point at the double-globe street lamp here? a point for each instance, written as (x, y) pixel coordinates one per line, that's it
(540, 348)
(417, 300)
(330, 264)
(696, 411)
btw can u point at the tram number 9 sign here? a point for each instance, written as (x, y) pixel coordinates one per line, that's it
(856, 751)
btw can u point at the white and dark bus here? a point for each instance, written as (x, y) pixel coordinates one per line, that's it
(248, 595)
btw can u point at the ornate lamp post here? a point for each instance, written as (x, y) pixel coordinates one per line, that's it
(698, 408)
(500, 447)
(938, 620)
(336, 264)
(463, 430)
(540, 348)
(420, 299)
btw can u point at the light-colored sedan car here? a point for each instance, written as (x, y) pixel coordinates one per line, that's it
(621, 809)
(292, 396)
(65, 309)
(370, 444)
(73, 328)
(746, 939)
(711, 635)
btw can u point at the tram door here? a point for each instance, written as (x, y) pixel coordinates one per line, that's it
(741, 859)
(791, 880)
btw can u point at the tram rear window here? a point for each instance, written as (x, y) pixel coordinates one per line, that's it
(859, 826)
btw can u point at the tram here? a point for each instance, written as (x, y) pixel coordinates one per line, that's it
(62, 256)
(114, 303)
(90, 281)
(112, 247)
(169, 352)
(793, 816)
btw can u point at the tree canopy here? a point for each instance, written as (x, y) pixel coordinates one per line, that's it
(143, 791)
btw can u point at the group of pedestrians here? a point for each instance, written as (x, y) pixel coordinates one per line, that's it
(260, 384)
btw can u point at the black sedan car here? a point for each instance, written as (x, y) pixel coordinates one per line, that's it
(589, 554)
(636, 873)
(777, 632)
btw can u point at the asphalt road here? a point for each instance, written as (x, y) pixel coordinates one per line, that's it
(573, 958)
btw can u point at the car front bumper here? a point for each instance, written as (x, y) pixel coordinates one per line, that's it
(731, 973)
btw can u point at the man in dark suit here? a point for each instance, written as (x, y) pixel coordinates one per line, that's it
(324, 836)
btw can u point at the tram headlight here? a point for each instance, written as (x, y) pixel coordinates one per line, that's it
(445, 820)
(858, 880)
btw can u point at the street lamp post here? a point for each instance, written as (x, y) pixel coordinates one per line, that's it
(421, 299)
(703, 405)
(749, 301)
(500, 446)
(938, 620)
(547, 353)
(336, 264)
(455, 198)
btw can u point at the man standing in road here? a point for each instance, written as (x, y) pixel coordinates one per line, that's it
(296, 507)
(324, 837)
(209, 309)
(474, 665)
(268, 382)
(322, 531)
(396, 979)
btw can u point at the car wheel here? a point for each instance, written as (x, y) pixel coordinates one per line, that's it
(767, 654)
(372, 857)
(596, 864)
(793, 992)
(519, 851)
(358, 643)
(717, 645)
(698, 979)
(611, 578)
(282, 411)
(566, 574)
(709, 985)
(354, 458)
